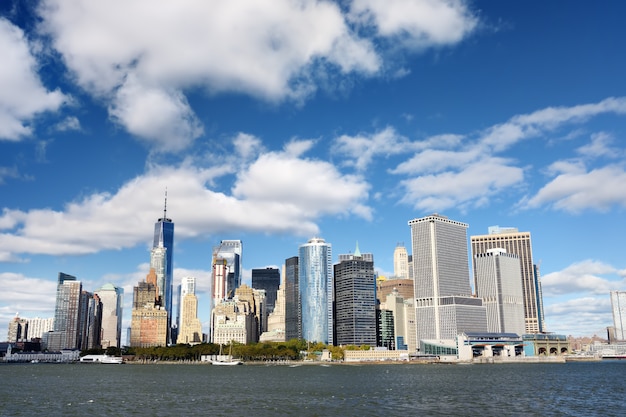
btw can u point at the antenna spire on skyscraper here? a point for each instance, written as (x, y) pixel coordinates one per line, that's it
(165, 205)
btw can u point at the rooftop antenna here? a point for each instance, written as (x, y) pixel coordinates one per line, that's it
(165, 206)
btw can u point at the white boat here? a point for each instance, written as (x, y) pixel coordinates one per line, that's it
(102, 359)
(226, 359)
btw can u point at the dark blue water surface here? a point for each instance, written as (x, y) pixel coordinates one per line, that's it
(572, 389)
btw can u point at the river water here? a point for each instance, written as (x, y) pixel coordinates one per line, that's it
(572, 389)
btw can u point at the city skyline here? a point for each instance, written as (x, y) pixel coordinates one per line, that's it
(342, 120)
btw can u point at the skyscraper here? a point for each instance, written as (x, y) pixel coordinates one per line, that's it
(190, 329)
(293, 313)
(316, 290)
(401, 262)
(267, 279)
(111, 298)
(444, 306)
(164, 238)
(355, 300)
(227, 269)
(618, 305)
(518, 243)
(149, 323)
(499, 283)
(67, 312)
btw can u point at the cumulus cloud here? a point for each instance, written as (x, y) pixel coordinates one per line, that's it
(27, 296)
(361, 149)
(460, 170)
(22, 94)
(588, 276)
(69, 123)
(582, 316)
(575, 188)
(276, 193)
(417, 23)
(143, 59)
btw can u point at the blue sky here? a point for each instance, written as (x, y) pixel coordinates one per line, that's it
(276, 121)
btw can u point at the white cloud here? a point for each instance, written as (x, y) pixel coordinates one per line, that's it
(271, 49)
(155, 114)
(69, 123)
(363, 148)
(472, 185)
(417, 23)
(584, 316)
(575, 189)
(277, 193)
(22, 94)
(28, 296)
(452, 170)
(582, 277)
(600, 146)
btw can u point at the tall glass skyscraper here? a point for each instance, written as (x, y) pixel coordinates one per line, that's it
(164, 238)
(293, 314)
(316, 290)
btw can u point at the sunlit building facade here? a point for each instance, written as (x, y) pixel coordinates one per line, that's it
(164, 238)
(112, 299)
(444, 305)
(517, 243)
(499, 284)
(401, 262)
(316, 290)
(618, 306)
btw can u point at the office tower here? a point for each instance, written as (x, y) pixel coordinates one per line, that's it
(293, 313)
(66, 312)
(164, 238)
(618, 305)
(405, 288)
(518, 243)
(315, 272)
(227, 269)
(18, 330)
(275, 331)
(355, 300)
(149, 323)
(187, 286)
(267, 279)
(112, 299)
(401, 262)
(90, 321)
(158, 263)
(499, 283)
(190, 328)
(396, 304)
(256, 302)
(444, 306)
(384, 331)
(38, 326)
(233, 321)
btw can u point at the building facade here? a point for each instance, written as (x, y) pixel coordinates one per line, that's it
(267, 279)
(499, 283)
(164, 238)
(401, 262)
(518, 243)
(293, 313)
(67, 312)
(618, 306)
(443, 301)
(355, 300)
(112, 299)
(316, 290)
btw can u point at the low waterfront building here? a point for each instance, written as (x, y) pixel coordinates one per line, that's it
(375, 355)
